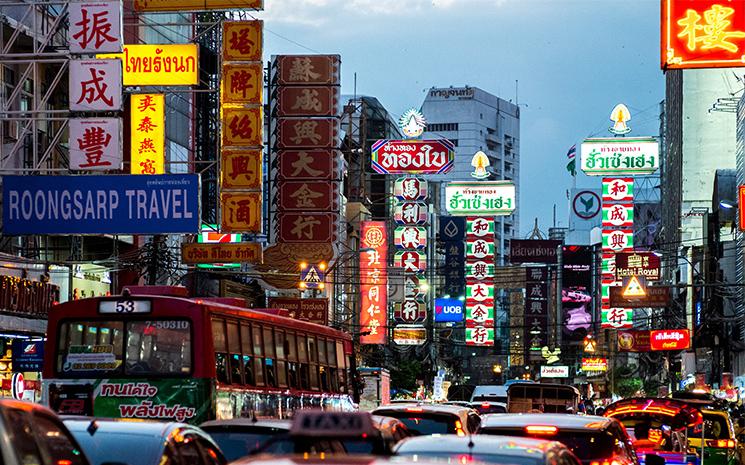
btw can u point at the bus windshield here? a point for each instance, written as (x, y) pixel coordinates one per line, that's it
(115, 347)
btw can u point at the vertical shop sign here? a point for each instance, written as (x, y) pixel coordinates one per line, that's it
(374, 288)
(95, 85)
(95, 27)
(147, 138)
(95, 144)
(479, 281)
(617, 236)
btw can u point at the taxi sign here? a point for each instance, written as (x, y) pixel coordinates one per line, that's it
(318, 423)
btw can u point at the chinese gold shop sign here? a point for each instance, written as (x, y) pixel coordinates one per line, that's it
(703, 33)
(147, 127)
(158, 65)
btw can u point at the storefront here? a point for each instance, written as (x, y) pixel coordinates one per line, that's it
(90, 281)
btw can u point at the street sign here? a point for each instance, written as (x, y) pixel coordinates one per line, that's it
(656, 297)
(413, 156)
(243, 252)
(312, 276)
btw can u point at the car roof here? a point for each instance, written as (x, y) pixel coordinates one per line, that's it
(318, 460)
(426, 408)
(266, 423)
(112, 425)
(28, 406)
(490, 390)
(454, 444)
(560, 420)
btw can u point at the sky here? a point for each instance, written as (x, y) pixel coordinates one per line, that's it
(574, 61)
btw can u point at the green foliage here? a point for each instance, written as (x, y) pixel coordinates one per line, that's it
(626, 381)
(405, 373)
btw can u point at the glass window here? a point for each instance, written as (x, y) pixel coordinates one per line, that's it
(234, 342)
(324, 376)
(218, 335)
(82, 354)
(279, 342)
(22, 437)
(314, 377)
(248, 370)
(302, 348)
(58, 442)
(322, 351)
(221, 367)
(291, 347)
(236, 369)
(212, 455)
(340, 354)
(246, 339)
(158, 347)
(259, 371)
(281, 373)
(292, 373)
(189, 451)
(331, 350)
(268, 342)
(312, 352)
(256, 331)
(271, 378)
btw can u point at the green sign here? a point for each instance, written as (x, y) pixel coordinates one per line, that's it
(620, 155)
(486, 198)
(479, 335)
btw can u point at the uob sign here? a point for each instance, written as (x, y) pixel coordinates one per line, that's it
(448, 310)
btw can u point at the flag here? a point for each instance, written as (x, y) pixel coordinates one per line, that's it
(572, 165)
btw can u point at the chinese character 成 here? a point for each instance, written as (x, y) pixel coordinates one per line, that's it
(308, 101)
(95, 88)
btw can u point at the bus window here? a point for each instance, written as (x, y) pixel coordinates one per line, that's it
(246, 339)
(258, 362)
(156, 347)
(268, 343)
(75, 358)
(313, 356)
(257, 340)
(324, 377)
(291, 347)
(331, 350)
(303, 370)
(248, 371)
(333, 377)
(280, 342)
(221, 349)
(62, 342)
(234, 348)
(271, 378)
(292, 366)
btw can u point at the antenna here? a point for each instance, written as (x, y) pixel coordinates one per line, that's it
(517, 100)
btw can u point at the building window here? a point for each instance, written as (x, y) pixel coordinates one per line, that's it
(442, 127)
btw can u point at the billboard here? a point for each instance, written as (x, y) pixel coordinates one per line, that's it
(448, 310)
(489, 198)
(111, 204)
(633, 341)
(646, 264)
(670, 339)
(413, 156)
(576, 292)
(374, 283)
(614, 156)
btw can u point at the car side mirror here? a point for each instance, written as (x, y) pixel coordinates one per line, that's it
(653, 459)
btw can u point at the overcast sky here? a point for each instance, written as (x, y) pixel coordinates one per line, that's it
(574, 60)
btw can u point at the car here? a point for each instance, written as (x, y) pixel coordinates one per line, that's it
(423, 419)
(331, 460)
(489, 393)
(143, 442)
(594, 440)
(487, 449)
(238, 437)
(489, 407)
(32, 434)
(720, 447)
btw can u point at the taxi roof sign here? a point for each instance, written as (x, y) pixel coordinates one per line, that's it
(318, 423)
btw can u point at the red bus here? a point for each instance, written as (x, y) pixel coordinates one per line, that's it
(168, 357)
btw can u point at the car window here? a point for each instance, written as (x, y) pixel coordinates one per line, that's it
(423, 423)
(169, 456)
(188, 451)
(585, 445)
(474, 421)
(22, 437)
(211, 453)
(238, 443)
(57, 441)
(566, 459)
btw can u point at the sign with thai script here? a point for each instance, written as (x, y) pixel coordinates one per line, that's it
(195, 253)
(374, 283)
(670, 339)
(608, 156)
(197, 5)
(488, 198)
(95, 144)
(655, 297)
(95, 26)
(618, 189)
(413, 156)
(24, 296)
(241, 211)
(110, 204)
(320, 70)
(158, 65)
(182, 400)
(148, 129)
(618, 215)
(534, 251)
(313, 310)
(595, 364)
(702, 34)
(646, 264)
(95, 85)
(554, 371)
(241, 169)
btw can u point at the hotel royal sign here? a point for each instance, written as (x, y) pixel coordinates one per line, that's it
(702, 33)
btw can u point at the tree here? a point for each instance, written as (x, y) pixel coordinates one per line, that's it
(626, 381)
(405, 373)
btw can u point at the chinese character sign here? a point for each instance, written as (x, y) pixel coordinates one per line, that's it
(242, 127)
(147, 133)
(374, 283)
(242, 83)
(95, 27)
(702, 33)
(242, 40)
(241, 212)
(241, 169)
(95, 85)
(479, 281)
(95, 144)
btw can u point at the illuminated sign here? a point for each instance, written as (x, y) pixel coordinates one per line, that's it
(411, 261)
(241, 211)
(221, 253)
(374, 287)
(557, 371)
(413, 156)
(645, 264)
(147, 132)
(410, 213)
(479, 281)
(670, 339)
(741, 206)
(410, 189)
(618, 240)
(608, 156)
(196, 5)
(616, 318)
(634, 288)
(489, 198)
(410, 237)
(633, 341)
(594, 364)
(448, 310)
(618, 215)
(410, 311)
(480, 163)
(158, 65)
(209, 235)
(620, 115)
(409, 335)
(312, 276)
(702, 33)
(654, 297)
(618, 189)
(412, 123)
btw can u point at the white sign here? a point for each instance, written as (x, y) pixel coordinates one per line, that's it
(488, 198)
(95, 144)
(412, 123)
(95, 27)
(616, 156)
(558, 371)
(95, 85)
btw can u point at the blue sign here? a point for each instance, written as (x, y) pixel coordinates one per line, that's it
(109, 204)
(452, 228)
(27, 355)
(448, 310)
(312, 277)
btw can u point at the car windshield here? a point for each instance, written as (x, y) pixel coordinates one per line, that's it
(237, 444)
(714, 427)
(585, 445)
(422, 423)
(132, 449)
(449, 457)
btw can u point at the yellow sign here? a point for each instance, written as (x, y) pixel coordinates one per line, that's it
(242, 127)
(147, 129)
(242, 252)
(634, 288)
(158, 65)
(197, 5)
(241, 212)
(242, 83)
(241, 169)
(242, 40)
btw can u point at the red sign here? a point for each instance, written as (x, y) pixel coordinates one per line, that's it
(702, 33)
(670, 339)
(741, 206)
(413, 156)
(307, 164)
(410, 213)
(308, 69)
(308, 101)
(645, 264)
(307, 196)
(633, 341)
(374, 283)
(298, 133)
(310, 227)
(313, 310)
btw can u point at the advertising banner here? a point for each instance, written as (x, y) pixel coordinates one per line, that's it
(110, 204)
(410, 237)
(147, 133)
(452, 228)
(409, 311)
(410, 213)
(534, 251)
(620, 156)
(411, 261)
(595, 364)
(95, 144)
(95, 26)
(670, 339)
(488, 198)
(249, 252)
(655, 297)
(448, 310)
(616, 318)
(554, 371)
(413, 156)
(27, 355)
(374, 283)
(409, 335)
(307, 227)
(618, 240)
(157, 65)
(576, 294)
(741, 207)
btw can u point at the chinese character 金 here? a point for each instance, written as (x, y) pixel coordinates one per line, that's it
(304, 197)
(94, 140)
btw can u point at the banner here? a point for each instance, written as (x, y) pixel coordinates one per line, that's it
(112, 204)
(158, 65)
(147, 133)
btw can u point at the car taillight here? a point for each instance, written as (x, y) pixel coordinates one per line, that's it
(414, 409)
(721, 443)
(541, 429)
(459, 428)
(611, 461)
(485, 405)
